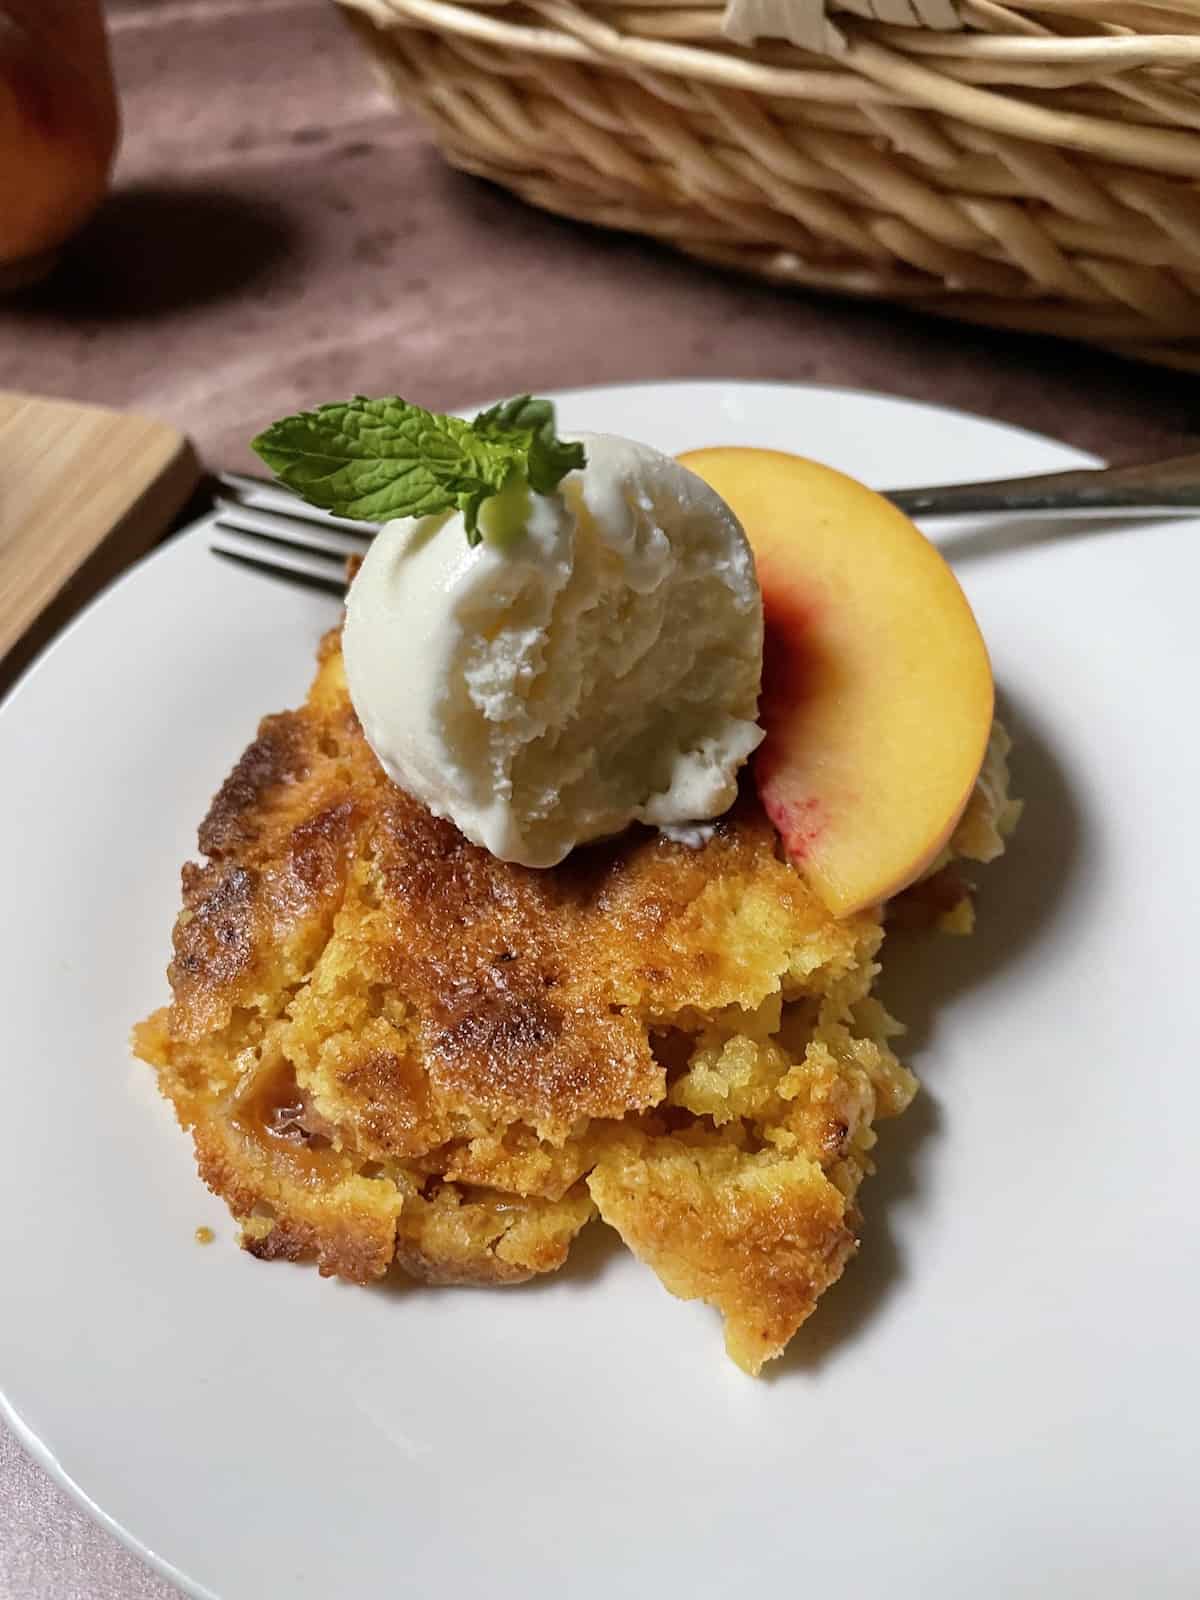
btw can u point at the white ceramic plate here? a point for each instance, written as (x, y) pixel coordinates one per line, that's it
(1000, 1398)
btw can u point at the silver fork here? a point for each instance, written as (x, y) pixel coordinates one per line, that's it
(263, 525)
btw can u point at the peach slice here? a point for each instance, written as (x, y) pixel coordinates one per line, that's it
(877, 691)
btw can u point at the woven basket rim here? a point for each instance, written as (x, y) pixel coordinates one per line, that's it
(577, 33)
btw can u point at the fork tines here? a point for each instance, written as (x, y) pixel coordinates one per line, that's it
(262, 526)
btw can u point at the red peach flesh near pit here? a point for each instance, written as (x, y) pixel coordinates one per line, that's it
(791, 673)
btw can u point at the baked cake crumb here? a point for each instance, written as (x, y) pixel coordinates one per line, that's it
(395, 1052)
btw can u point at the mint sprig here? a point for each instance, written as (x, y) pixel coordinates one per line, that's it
(374, 459)
(548, 458)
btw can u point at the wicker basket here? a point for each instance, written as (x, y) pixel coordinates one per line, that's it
(1035, 168)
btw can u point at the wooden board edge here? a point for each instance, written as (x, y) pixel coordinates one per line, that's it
(158, 507)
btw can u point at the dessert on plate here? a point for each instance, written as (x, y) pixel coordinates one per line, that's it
(562, 896)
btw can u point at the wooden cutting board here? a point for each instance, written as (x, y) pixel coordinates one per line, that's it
(84, 491)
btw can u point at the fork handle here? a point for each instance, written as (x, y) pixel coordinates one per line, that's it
(1174, 482)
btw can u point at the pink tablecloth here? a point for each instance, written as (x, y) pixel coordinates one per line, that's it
(280, 235)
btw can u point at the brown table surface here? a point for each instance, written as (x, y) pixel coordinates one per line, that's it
(281, 235)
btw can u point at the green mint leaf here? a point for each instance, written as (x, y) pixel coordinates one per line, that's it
(470, 508)
(548, 458)
(375, 459)
(522, 415)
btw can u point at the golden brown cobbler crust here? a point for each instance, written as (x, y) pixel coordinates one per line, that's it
(393, 1050)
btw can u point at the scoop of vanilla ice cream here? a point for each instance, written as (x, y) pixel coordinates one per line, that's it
(594, 662)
